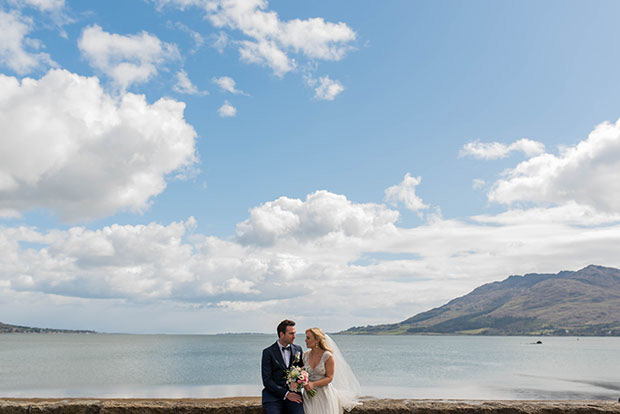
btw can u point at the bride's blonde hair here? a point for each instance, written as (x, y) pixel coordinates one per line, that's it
(320, 335)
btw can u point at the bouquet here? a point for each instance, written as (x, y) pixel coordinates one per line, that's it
(296, 378)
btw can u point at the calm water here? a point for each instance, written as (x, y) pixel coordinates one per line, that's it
(204, 366)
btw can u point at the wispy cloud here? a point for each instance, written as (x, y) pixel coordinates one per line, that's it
(184, 85)
(272, 40)
(404, 193)
(43, 5)
(228, 84)
(326, 89)
(196, 37)
(17, 51)
(496, 150)
(227, 110)
(219, 41)
(127, 59)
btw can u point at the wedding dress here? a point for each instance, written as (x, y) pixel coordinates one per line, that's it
(339, 394)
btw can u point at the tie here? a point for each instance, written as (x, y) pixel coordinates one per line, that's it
(287, 361)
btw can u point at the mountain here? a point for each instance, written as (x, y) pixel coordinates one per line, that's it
(585, 302)
(4, 328)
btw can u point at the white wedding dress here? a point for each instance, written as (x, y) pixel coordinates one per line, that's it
(325, 401)
(341, 393)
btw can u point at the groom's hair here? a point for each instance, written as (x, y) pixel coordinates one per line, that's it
(283, 325)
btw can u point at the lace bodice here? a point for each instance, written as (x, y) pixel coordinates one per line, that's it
(341, 393)
(317, 372)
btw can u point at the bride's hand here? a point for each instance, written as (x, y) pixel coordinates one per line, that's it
(309, 386)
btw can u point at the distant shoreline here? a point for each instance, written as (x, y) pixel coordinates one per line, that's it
(6, 328)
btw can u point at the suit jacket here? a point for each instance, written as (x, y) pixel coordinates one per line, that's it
(273, 370)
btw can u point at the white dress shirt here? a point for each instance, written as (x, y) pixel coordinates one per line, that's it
(286, 354)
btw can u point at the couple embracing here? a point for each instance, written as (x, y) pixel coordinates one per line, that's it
(331, 385)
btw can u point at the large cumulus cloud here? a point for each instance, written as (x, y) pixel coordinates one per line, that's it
(322, 214)
(302, 259)
(587, 173)
(69, 146)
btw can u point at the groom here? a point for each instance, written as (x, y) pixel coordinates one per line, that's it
(277, 358)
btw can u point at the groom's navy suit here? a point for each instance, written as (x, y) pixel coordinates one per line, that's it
(273, 370)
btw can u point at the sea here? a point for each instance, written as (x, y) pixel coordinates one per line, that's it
(214, 366)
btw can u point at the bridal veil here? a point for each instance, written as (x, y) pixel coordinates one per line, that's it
(345, 383)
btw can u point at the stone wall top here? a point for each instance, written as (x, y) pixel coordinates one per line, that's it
(252, 405)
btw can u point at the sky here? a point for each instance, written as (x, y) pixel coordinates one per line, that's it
(212, 166)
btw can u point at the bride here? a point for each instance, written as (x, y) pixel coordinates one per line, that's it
(329, 375)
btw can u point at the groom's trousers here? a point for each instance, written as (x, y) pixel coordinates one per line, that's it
(283, 407)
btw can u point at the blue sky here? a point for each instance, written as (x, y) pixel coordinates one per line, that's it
(205, 166)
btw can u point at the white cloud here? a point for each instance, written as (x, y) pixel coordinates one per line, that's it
(404, 193)
(228, 84)
(182, 4)
(142, 263)
(227, 110)
(322, 214)
(478, 183)
(587, 173)
(8, 213)
(43, 5)
(569, 213)
(299, 255)
(53, 9)
(85, 154)
(197, 38)
(496, 150)
(185, 85)
(219, 41)
(126, 59)
(271, 38)
(14, 44)
(327, 89)
(266, 53)
(113, 262)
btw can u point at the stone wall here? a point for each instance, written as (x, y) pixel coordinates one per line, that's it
(251, 405)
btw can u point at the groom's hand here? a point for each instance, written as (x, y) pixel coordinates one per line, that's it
(291, 396)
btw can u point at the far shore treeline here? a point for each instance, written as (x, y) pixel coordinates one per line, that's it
(6, 328)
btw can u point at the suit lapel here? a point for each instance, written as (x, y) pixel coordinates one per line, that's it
(276, 350)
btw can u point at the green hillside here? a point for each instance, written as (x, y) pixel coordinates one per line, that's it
(585, 302)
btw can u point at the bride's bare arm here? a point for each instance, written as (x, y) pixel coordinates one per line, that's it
(329, 375)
